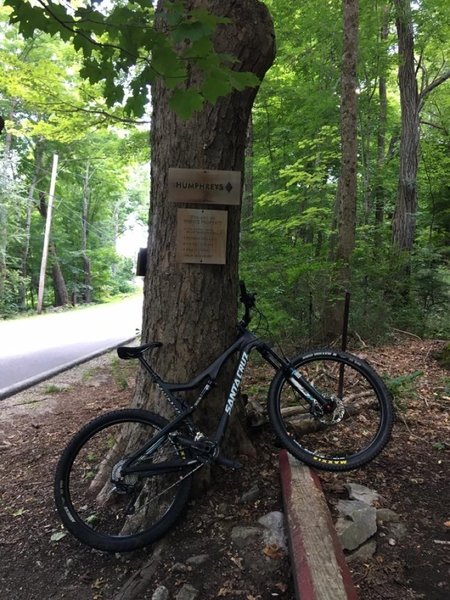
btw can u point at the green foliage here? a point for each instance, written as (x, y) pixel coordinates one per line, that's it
(287, 247)
(403, 388)
(49, 109)
(66, 91)
(120, 49)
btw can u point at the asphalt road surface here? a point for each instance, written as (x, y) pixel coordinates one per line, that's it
(35, 348)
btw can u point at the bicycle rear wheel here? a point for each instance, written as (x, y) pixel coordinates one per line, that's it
(359, 417)
(138, 511)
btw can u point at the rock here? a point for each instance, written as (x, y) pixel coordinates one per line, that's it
(251, 495)
(361, 493)
(261, 564)
(161, 593)
(274, 530)
(187, 592)
(179, 568)
(386, 515)
(397, 531)
(357, 524)
(364, 552)
(197, 560)
(256, 414)
(244, 535)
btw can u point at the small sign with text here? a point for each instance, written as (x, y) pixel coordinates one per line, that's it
(205, 186)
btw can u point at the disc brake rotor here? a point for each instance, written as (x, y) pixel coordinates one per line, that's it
(336, 415)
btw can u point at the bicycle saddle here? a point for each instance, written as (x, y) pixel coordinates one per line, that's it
(127, 352)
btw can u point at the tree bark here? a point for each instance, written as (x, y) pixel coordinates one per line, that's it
(345, 210)
(38, 154)
(247, 197)
(404, 220)
(348, 187)
(3, 243)
(61, 295)
(87, 289)
(59, 285)
(192, 308)
(379, 191)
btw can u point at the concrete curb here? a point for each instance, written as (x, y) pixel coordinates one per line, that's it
(15, 388)
(319, 568)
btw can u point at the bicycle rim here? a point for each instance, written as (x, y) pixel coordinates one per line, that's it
(359, 421)
(138, 511)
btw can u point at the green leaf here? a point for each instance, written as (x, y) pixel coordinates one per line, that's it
(240, 81)
(165, 61)
(59, 535)
(214, 87)
(186, 102)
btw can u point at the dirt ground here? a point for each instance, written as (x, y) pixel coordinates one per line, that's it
(411, 475)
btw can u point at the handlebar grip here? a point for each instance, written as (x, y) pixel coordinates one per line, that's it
(243, 289)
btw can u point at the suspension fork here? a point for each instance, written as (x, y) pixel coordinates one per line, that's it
(298, 383)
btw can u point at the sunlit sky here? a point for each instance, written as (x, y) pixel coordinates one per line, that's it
(135, 237)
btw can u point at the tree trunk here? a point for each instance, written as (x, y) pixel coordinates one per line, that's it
(247, 197)
(382, 123)
(404, 221)
(87, 288)
(192, 308)
(38, 153)
(3, 243)
(59, 285)
(347, 186)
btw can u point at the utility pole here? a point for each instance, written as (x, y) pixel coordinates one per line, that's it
(48, 224)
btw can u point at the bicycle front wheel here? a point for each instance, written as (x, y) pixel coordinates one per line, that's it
(358, 419)
(138, 511)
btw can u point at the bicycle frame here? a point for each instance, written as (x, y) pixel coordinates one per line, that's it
(244, 344)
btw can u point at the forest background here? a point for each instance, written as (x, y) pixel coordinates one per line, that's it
(398, 278)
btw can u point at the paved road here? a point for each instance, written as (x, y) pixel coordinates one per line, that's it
(35, 348)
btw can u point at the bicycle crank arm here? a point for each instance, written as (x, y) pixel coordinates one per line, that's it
(227, 462)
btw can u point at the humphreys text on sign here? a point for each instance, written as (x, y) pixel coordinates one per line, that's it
(204, 186)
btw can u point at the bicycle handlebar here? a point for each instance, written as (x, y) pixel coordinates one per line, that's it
(249, 301)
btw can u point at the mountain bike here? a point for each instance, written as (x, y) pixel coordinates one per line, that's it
(125, 477)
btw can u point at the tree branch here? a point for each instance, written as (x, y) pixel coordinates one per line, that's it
(432, 86)
(434, 125)
(91, 40)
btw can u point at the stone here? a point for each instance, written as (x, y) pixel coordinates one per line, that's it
(197, 560)
(357, 524)
(251, 495)
(274, 529)
(386, 515)
(397, 530)
(161, 593)
(362, 493)
(245, 535)
(179, 568)
(364, 552)
(187, 592)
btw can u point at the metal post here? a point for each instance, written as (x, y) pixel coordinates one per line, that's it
(344, 342)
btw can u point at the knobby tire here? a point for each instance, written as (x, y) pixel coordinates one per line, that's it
(86, 500)
(364, 412)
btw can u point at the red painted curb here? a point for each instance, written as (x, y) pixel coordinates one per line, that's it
(301, 573)
(301, 570)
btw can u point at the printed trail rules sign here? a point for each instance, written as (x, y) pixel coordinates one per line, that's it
(201, 236)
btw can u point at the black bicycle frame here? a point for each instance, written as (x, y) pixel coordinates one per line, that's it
(244, 344)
